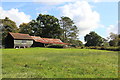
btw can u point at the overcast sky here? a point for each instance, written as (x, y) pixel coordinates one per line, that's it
(92, 15)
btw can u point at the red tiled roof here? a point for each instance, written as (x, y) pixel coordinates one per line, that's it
(20, 36)
(48, 40)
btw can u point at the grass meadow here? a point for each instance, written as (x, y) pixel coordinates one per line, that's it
(59, 63)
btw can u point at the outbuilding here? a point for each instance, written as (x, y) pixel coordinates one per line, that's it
(43, 42)
(18, 40)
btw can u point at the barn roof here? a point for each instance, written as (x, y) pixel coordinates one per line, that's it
(38, 39)
(53, 41)
(48, 40)
(20, 36)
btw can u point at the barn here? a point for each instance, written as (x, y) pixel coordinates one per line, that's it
(38, 42)
(18, 40)
(42, 42)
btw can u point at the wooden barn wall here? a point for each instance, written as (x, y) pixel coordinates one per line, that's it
(9, 41)
(23, 42)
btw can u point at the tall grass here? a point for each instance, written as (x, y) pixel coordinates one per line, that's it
(59, 63)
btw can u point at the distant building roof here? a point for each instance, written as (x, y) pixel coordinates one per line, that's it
(48, 40)
(53, 41)
(38, 39)
(20, 36)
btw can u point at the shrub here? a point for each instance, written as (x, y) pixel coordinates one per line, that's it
(56, 46)
(104, 48)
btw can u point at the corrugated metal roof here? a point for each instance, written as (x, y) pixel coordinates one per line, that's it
(38, 39)
(20, 36)
(48, 40)
(53, 41)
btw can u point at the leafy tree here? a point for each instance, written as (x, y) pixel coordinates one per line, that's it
(25, 28)
(32, 28)
(70, 31)
(119, 40)
(114, 39)
(7, 26)
(105, 43)
(113, 36)
(49, 25)
(93, 39)
(36, 28)
(113, 42)
(44, 26)
(76, 43)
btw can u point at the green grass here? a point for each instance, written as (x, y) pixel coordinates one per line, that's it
(59, 63)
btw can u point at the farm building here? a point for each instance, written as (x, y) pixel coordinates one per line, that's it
(38, 42)
(18, 40)
(42, 42)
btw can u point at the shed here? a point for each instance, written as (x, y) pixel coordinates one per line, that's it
(38, 41)
(42, 42)
(18, 40)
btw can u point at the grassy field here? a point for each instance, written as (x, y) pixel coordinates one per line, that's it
(59, 63)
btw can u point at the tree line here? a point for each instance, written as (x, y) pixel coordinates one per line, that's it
(48, 26)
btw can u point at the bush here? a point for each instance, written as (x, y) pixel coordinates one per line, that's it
(104, 48)
(56, 46)
(113, 48)
(73, 46)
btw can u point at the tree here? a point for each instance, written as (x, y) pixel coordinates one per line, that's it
(93, 39)
(44, 26)
(119, 40)
(49, 25)
(114, 39)
(76, 43)
(113, 42)
(25, 28)
(70, 31)
(7, 26)
(113, 36)
(105, 43)
(32, 28)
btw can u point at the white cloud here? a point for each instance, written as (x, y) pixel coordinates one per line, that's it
(82, 14)
(15, 15)
(112, 28)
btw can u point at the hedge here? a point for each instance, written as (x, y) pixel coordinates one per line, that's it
(56, 46)
(105, 48)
